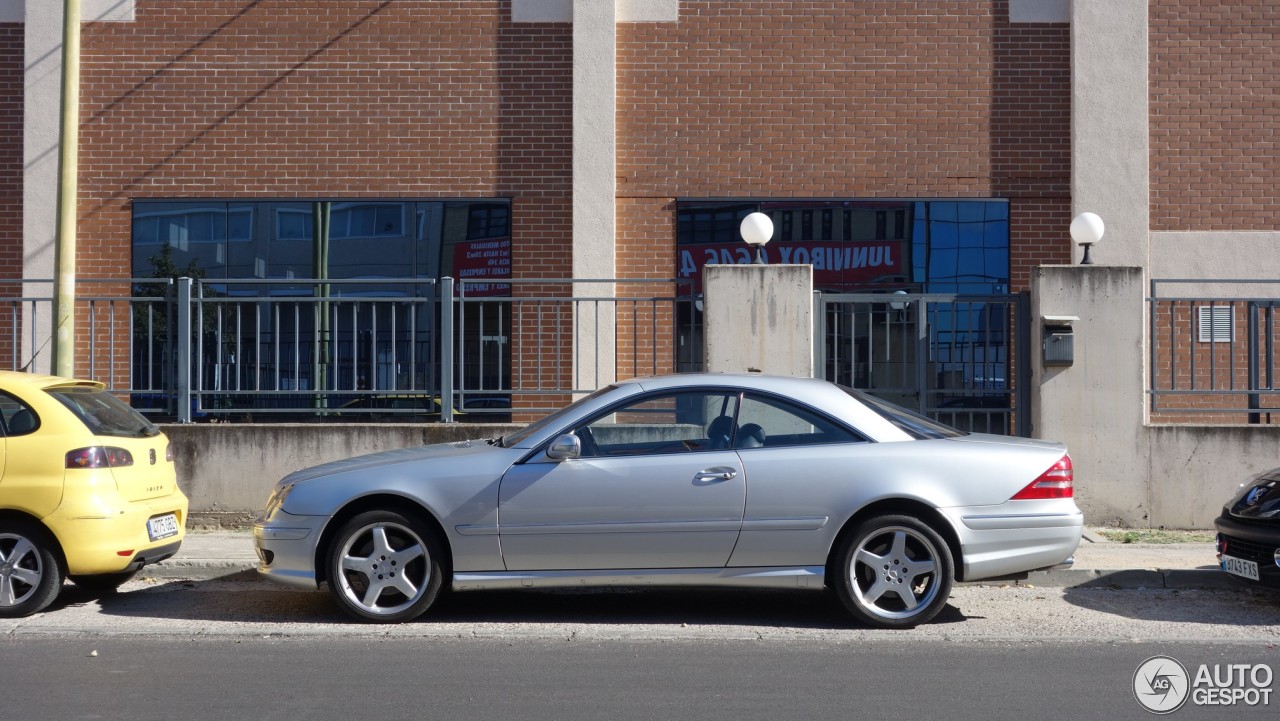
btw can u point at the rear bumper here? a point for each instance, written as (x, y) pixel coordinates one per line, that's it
(94, 543)
(997, 544)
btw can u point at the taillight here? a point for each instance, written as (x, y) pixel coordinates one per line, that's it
(99, 457)
(1053, 483)
(168, 451)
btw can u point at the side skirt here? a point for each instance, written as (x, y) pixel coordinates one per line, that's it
(776, 577)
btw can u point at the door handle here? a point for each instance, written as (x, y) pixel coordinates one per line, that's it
(715, 475)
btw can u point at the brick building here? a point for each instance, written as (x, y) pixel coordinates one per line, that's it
(586, 139)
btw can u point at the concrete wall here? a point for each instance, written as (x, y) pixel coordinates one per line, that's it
(1096, 406)
(227, 470)
(1128, 472)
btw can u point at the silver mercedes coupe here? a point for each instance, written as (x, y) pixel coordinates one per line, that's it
(684, 480)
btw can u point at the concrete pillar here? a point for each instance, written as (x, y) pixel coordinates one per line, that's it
(594, 188)
(1097, 405)
(42, 102)
(759, 318)
(1110, 132)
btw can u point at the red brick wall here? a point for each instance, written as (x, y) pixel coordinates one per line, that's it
(1215, 114)
(306, 98)
(11, 245)
(315, 98)
(832, 99)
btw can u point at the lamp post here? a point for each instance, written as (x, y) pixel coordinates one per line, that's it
(1087, 229)
(756, 230)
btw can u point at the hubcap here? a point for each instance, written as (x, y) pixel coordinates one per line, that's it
(20, 569)
(385, 568)
(894, 572)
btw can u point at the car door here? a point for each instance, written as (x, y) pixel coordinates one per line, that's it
(33, 464)
(808, 472)
(657, 486)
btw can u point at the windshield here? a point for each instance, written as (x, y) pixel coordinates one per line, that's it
(912, 423)
(103, 413)
(513, 439)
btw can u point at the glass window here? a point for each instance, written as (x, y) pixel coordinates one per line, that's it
(931, 246)
(103, 413)
(668, 423)
(17, 417)
(246, 239)
(911, 423)
(769, 423)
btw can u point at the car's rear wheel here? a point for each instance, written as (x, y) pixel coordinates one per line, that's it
(30, 572)
(103, 582)
(893, 571)
(384, 567)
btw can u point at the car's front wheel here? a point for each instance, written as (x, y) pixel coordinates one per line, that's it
(893, 571)
(30, 573)
(384, 567)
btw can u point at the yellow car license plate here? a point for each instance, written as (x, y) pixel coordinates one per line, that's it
(162, 526)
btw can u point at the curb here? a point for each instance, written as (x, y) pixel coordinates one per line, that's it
(1128, 578)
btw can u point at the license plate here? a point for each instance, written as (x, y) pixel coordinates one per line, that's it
(167, 525)
(1240, 567)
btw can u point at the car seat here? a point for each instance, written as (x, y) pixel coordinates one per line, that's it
(21, 422)
(720, 432)
(750, 436)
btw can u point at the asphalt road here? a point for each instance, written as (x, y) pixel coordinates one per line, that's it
(246, 649)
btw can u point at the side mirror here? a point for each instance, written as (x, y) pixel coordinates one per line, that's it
(564, 448)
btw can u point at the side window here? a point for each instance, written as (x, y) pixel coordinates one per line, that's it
(669, 423)
(16, 417)
(766, 422)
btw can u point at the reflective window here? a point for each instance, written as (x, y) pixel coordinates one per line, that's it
(928, 246)
(667, 423)
(770, 423)
(324, 239)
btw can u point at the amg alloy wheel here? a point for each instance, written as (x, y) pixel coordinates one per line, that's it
(894, 572)
(384, 567)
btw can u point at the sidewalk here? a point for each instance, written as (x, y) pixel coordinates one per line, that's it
(1098, 562)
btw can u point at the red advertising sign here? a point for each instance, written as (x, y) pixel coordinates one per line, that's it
(479, 260)
(836, 264)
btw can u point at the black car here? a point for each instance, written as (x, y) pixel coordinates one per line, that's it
(1249, 531)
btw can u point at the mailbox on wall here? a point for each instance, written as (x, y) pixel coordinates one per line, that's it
(1058, 340)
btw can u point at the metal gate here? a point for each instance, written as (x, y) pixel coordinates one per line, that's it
(963, 360)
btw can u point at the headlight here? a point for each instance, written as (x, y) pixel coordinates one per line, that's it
(277, 500)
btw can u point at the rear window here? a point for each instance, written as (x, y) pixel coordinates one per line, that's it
(913, 424)
(103, 413)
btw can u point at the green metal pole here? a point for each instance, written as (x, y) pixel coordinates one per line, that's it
(64, 350)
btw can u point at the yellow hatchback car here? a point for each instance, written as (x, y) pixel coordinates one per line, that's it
(88, 490)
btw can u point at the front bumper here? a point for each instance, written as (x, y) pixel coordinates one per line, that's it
(1257, 542)
(286, 546)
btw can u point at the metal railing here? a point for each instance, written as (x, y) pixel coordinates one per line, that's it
(308, 349)
(1213, 346)
(960, 359)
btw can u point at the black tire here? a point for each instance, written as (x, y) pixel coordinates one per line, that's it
(103, 582)
(893, 572)
(384, 567)
(31, 573)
